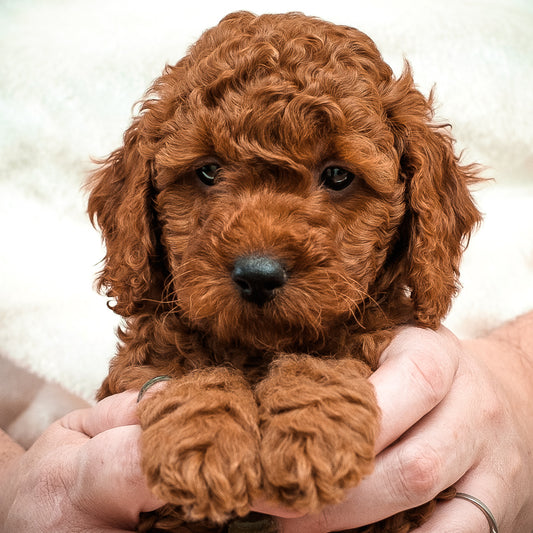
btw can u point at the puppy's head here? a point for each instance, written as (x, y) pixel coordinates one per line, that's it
(278, 182)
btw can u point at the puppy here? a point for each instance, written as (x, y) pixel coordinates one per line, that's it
(282, 203)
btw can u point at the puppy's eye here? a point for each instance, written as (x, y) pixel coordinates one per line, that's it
(336, 178)
(208, 173)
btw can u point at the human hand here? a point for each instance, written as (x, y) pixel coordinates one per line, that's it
(82, 474)
(453, 413)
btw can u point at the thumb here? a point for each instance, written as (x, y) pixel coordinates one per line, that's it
(110, 477)
(111, 474)
(111, 412)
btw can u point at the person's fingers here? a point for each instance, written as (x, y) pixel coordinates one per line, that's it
(432, 455)
(113, 411)
(111, 478)
(415, 375)
(408, 475)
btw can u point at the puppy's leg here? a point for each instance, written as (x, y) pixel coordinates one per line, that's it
(200, 444)
(318, 422)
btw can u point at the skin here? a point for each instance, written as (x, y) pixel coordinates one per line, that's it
(82, 474)
(466, 420)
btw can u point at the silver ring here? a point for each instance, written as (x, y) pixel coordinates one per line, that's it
(482, 507)
(149, 383)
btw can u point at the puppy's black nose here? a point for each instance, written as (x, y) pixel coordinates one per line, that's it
(257, 277)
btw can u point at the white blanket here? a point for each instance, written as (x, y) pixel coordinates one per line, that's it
(70, 71)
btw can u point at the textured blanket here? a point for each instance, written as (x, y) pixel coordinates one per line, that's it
(70, 71)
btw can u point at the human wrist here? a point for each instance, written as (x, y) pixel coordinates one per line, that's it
(510, 344)
(517, 333)
(507, 353)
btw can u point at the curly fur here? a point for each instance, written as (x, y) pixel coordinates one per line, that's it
(272, 400)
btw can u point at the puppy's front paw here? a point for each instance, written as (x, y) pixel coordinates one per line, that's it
(200, 445)
(318, 421)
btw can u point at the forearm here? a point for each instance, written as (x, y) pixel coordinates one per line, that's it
(518, 333)
(508, 351)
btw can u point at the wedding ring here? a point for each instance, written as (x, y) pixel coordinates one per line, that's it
(149, 383)
(482, 507)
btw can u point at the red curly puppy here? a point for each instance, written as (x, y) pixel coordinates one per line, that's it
(281, 204)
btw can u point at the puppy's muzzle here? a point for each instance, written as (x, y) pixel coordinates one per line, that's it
(258, 277)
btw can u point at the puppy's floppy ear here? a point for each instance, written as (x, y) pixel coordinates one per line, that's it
(441, 212)
(120, 200)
